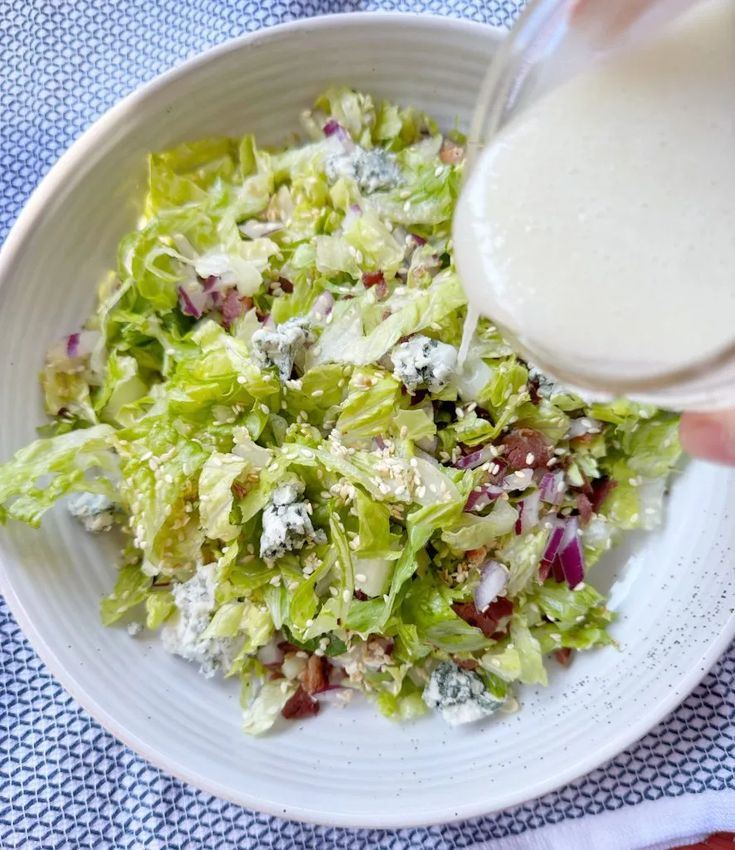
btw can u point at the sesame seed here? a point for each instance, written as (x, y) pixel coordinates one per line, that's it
(317, 393)
(168, 478)
(530, 458)
(361, 578)
(309, 623)
(265, 409)
(241, 379)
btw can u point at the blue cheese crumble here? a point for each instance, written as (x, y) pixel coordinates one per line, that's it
(95, 511)
(183, 636)
(545, 386)
(371, 169)
(459, 695)
(424, 362)
(281, 346)
(287, 523)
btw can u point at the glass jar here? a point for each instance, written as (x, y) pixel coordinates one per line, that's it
(553, 41)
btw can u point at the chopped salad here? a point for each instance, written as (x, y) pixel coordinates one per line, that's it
(329, 478)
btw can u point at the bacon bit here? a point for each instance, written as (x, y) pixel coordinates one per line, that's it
(372, 279)
(467, 663)
(476, 556)
(523, 442)
(563, 656)
(584, 506)
(582, 440)
(586, 487)
(315, 677)
(360, 595)
(386, 644)
(493, 622)
(239, 489)
(601, 489)
(285, 647)
(300, 705)
(533, 392)
(262, 316)
(286, 285)
(275, 675)
(544, 571)
(451, 153)
(500, 465)
(247, 302)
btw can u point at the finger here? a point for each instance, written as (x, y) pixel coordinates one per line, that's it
(603, 22)
(710, 436)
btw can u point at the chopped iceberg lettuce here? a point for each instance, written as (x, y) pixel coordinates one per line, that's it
(316, 458)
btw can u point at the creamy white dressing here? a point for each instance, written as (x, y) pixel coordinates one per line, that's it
(599, 226)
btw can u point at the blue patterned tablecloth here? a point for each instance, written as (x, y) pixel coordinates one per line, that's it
(64, 781)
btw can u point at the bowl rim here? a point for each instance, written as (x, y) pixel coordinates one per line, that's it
(29, 217)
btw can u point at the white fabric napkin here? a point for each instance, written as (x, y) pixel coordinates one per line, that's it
(658, 825)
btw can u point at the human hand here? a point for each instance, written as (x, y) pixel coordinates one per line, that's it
(603, 21)
(710, 436)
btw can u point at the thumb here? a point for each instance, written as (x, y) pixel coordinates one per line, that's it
(710, 436)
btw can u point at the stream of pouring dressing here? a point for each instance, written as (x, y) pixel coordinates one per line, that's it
(599, 225)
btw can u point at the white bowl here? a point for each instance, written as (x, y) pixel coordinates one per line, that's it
(674, 589)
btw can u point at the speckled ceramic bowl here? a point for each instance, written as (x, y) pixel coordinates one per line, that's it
(674, 589)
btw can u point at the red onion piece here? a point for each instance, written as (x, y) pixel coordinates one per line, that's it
(493, 580)
(482, 496)
(571, 532)
(528, 513)
(572, 562)
(334, 129)
(322, 306)
(552, 487)
(192, 305)
(564, 553)
(554, 542)
(210, 283)
(72, 345)
(476, 458)
(519, 480)
(231, 307)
